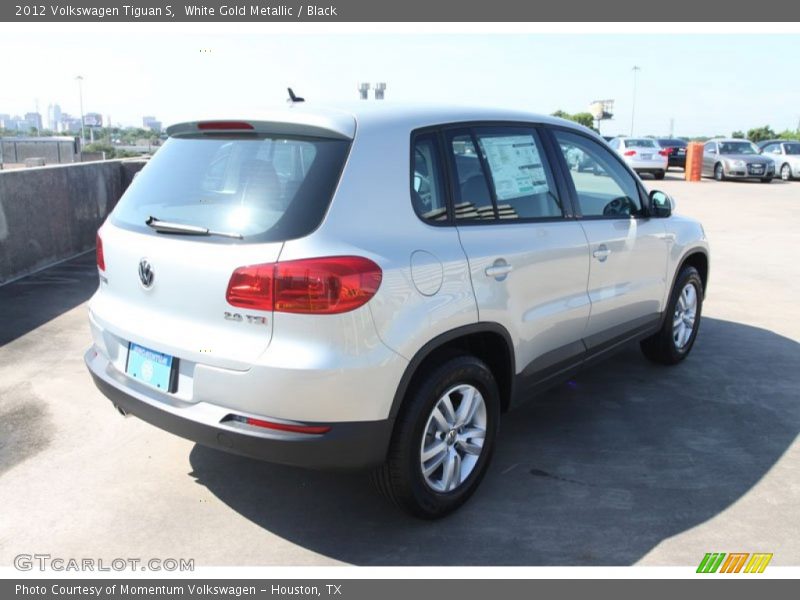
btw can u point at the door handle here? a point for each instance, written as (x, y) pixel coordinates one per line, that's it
(499, 269)
(601, 253)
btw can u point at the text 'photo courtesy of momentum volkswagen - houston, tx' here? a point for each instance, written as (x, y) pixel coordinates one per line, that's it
(372, 287)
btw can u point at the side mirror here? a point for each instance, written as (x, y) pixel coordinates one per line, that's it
(661, 204)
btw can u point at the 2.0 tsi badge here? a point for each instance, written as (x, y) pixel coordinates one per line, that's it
(146, 274)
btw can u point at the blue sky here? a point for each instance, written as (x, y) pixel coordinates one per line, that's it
(708, 83)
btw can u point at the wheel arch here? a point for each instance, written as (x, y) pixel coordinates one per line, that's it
(697, 258)
(488, 341)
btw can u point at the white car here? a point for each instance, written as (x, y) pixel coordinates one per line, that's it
(643, 155)
(786, 156)
(372, 288)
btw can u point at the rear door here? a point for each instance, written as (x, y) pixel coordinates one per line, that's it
(528, 258)
(627, 250)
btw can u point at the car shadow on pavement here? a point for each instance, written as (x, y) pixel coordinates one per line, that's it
(34, 300)
(596, 472)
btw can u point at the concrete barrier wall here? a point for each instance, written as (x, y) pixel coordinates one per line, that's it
(48, 214)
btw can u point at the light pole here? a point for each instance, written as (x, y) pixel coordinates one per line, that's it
(633, 104)
(79, 79)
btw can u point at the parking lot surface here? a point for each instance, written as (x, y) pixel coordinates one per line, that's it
(630, 463)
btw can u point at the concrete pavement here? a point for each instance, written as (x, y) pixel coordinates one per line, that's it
(631, 463)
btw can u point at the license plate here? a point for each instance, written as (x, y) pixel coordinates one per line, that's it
(757, 168)
(151, 367)
(682, 151)
(646, 156)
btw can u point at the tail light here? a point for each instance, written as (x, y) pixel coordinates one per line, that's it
(101, 259)
(223, 125)
(329, 285)
(665, 152)
(630, 153)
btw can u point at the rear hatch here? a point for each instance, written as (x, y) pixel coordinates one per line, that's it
(217, 196)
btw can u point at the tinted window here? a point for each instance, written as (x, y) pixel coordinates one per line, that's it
(793, 148)
(472, 197)
(672, 143)
(772, 148)
(709, 147)
(264, 188)
(638, 143)
(506, 177)
(427, 184)
(607, 189)
(737, 148)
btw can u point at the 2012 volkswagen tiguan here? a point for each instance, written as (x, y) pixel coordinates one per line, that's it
(373, 288)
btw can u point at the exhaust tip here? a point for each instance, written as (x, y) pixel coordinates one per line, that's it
(121, 410)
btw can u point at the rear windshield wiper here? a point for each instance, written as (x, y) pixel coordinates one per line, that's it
(167, 227)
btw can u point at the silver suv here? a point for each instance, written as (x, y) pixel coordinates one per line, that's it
(373, 288)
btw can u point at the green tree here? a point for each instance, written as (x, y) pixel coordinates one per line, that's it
(739, 135)
(759, 134)
(582, 118)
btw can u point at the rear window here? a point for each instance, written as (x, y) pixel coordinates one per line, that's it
(640, 143)
(263, 188)
(671, 143)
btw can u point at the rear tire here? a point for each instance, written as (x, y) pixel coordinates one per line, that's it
(673, 342)
(439, 452)
(659, 174)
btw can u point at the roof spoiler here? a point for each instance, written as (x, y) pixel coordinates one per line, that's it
(305, 127)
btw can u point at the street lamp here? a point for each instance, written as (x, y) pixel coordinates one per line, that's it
(633, 104)
(79, 79)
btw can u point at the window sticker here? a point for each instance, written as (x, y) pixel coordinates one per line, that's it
(516, 166)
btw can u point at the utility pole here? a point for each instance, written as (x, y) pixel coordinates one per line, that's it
(671, 127)
(636, 70)
(79, 79)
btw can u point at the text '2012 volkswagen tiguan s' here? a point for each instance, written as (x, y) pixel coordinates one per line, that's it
(372, 289)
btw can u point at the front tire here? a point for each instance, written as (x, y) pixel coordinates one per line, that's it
(719, 172)
(443, 439)
(786, 172)
(673, 342)
(766, 180)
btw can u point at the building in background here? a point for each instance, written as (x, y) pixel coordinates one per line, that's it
(69, 124)
(5, 119)
(33, 121)
(53, 116)
(152, 124)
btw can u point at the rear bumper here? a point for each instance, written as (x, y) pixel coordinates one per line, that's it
(348, 445)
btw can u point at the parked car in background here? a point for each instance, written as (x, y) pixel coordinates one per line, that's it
(676, 151)
(643, 155)
(786, 156)
(736, 159)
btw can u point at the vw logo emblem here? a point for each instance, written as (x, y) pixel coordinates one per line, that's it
(146, 274)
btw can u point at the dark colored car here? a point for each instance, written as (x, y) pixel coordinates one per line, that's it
(677, 152)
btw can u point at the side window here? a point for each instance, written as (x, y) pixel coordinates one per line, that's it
(472, 197)
(709, 148)
(427, 183)
(507, 178)
(605, 188)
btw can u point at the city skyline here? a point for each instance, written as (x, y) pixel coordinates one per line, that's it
(180, 76)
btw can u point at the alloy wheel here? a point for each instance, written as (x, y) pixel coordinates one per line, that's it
(683, 320)
(453, 438)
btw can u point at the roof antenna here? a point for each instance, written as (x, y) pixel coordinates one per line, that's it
(293, 98)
